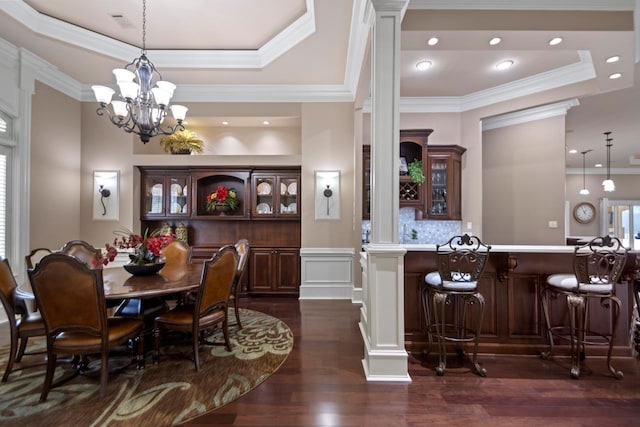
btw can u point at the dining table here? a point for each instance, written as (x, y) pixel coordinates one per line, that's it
(119, 284)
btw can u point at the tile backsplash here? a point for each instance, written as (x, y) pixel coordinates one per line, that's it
(424, 231)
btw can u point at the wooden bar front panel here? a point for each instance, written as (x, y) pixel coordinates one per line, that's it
(512, 287)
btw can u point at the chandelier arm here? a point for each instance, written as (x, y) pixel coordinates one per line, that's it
(116, 120)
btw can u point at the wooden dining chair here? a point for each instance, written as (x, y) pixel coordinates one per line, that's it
(210, 308)
(22, 328)
(36, 255)
(83, 251)
(242, 247)
(176, 255)
(71, 298)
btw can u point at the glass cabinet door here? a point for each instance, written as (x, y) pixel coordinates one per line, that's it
(438, 187)
(178, 192)
(153, 195)
(263, 188)
(288, 196)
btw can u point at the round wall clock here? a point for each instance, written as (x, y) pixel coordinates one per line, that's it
(584, 212)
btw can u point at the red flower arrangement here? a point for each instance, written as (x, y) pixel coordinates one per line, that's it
(222, 195)
(142, 249)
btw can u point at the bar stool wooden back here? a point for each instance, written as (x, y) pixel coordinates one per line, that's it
(452, 292)
(597, 267)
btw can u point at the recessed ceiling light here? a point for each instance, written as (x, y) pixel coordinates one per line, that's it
(598, 165)
(494, 41)
(433, 41)
(225, 123)
(554, 41)
(423, 65)
(504, 64)
(266, 122)
(614, 58)
(615, 76)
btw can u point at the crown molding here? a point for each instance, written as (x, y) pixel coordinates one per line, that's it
(68, 33)
(552, 79)
(251, 93)
(36, 67)
(361, 21)
(529, 115)
(8, 51)
(600, 5)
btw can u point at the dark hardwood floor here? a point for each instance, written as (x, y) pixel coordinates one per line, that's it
(322, 384)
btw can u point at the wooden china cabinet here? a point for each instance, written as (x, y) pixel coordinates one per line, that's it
(444, 173)
(268, 215)
(439, 197)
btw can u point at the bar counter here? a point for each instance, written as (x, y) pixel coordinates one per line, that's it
(512, 285)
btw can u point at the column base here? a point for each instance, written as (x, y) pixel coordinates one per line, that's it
(384, 365)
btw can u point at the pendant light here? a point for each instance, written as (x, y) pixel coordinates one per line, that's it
(140, 108)
(608, 184)
(584, 190)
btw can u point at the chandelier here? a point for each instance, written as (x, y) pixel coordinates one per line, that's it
(608, 184)
(141, 107)
(585, 190)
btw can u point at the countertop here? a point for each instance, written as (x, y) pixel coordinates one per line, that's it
(547, 249)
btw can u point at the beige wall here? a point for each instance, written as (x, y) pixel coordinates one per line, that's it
(105, 147)
(328, 144)
(523, 183)
(55, 168)
(471, 135)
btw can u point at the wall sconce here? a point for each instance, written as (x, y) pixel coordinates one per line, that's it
(105, 195)
(327, 197)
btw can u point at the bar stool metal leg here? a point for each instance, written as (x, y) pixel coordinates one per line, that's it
(479, 369)
(439, 304)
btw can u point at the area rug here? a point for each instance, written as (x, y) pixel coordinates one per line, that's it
(164, 394)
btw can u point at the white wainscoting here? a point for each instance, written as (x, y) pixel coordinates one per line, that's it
(327, 273)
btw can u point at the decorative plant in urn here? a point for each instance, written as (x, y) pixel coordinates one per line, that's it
(182, 142)
(223, 199)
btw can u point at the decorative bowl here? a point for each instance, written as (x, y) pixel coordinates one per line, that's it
(144, 270)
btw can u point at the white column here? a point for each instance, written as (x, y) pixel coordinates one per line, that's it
(385, 357)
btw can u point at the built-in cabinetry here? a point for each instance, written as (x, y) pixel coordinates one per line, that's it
(413, 148)
(275, 195)
(267, 214)
(439, 197)
(275, 270)
(165, 194)
(444, 177)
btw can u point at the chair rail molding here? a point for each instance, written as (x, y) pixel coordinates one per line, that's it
(327, 273)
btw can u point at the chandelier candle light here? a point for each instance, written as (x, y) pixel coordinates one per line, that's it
(608, 184)
(141, 108)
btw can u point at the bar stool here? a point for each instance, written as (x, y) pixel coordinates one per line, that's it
(461, 261)
(597, 267)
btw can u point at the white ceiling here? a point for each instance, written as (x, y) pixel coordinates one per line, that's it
(306, 50)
